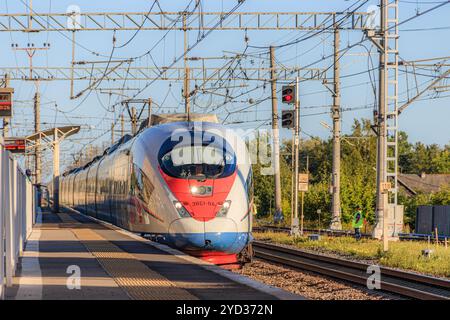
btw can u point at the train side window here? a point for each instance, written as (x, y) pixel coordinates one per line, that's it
(148, 187)
(141, 186)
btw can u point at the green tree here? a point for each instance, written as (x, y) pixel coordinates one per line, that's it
(358, 175)
(440, 163)
(405, 150)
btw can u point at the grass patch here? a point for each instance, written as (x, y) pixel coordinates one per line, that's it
(402, 254)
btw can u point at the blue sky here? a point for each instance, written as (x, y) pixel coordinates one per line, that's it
(425, 121)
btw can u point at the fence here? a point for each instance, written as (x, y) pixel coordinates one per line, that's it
(16, 215)
(432, 218)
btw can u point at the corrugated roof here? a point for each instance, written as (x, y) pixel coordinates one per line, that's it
(426, 183)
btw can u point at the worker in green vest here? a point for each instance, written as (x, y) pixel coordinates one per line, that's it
(357, 223)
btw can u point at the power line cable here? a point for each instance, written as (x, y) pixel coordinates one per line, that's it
(189, 49)
(306, 37)
(140, 26)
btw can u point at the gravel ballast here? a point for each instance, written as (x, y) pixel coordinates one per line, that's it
(306, 284)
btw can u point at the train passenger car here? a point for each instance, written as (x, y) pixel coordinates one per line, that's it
(187, 184)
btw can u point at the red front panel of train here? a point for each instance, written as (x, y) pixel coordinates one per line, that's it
(201, 207)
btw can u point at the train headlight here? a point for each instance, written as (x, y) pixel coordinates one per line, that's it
(224, 209)
(201, 190)
(178, 205)
(181, 209)
(194, 190)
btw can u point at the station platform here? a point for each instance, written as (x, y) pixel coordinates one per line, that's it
(73, 257)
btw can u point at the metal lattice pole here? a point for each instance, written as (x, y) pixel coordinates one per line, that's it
(392, 116)
(387, 124)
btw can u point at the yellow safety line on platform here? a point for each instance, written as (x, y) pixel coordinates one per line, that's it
(138, 280)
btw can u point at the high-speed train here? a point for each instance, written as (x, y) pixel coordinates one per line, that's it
(187, 184)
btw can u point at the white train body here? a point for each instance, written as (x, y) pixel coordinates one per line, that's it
(186, 184)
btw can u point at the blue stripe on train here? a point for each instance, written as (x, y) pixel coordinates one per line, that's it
(229, 242)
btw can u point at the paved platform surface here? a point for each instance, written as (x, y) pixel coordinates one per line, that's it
(69, 256)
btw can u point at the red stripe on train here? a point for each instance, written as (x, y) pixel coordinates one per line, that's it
(201, 208)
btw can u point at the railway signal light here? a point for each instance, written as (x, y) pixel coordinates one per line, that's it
(288, 94)
(288, 119)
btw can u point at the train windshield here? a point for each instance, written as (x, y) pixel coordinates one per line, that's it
(197, 161)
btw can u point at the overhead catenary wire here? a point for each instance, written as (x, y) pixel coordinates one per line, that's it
(350, 46)
(190, 48)
(259, 87)
(335, 24)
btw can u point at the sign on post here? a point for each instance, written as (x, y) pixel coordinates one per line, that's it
(385, 187)
(6, 99)
(15, 145)
(303, 180)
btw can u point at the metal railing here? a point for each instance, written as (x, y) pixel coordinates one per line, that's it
(16, 216)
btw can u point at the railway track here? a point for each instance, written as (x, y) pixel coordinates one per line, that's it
(403, 283)
(332, 233)
(343, 233)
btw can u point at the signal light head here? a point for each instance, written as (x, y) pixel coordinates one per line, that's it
(288, 93)
(287, 98)
(287, 119)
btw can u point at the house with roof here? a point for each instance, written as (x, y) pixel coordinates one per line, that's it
(413, 184)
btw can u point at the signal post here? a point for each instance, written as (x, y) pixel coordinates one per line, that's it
(291, 120)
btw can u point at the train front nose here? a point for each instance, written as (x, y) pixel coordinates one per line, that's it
(200, 173)
(219, 234)
(222, 235)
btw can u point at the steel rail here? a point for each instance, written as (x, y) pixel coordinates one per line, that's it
(329, 232)
(343, 233)
(355, 272)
